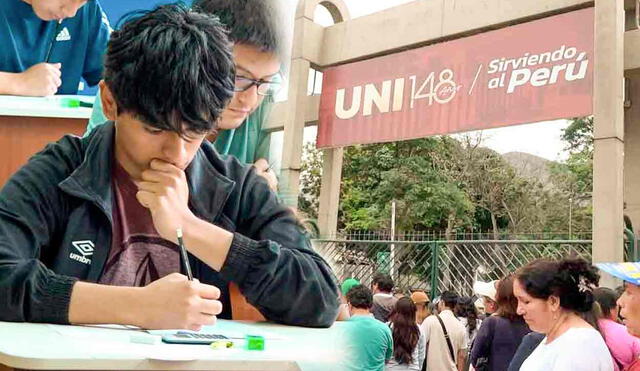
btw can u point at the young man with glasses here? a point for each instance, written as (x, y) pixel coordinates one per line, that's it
(253, 28)
(89, 227)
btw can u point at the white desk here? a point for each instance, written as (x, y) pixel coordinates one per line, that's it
(44, 106)
(27, 124)
(55, 347)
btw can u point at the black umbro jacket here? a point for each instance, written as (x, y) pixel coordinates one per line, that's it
(56, 223)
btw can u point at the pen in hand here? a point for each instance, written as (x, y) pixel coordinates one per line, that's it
(183, 254)
(53, 40)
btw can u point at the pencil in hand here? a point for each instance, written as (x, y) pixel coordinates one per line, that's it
(183, 254)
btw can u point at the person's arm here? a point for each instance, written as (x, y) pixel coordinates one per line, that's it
(269, 257)
(31, 211)
(389, 353)
(527, 346)
(422, 345)
(168, 303)
(482, 343)
(462, 358)
(264, 170)
(99, 29)
(425, 326)
(7, 83)
(39, 80)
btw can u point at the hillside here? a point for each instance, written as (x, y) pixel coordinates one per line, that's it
(529, 166)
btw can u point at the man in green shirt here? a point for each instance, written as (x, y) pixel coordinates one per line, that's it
(253, 29)
(369, 343)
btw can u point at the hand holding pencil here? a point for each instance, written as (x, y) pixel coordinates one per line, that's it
(174, 301)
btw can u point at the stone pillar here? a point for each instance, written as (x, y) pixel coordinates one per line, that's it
(330, 192)
(608, 158)
(632, 153)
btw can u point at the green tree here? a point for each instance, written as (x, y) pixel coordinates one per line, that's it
(573, 179)
(405, 172)
(310, 180)
(446, 184)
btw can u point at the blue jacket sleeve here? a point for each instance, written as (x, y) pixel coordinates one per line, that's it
(482, 342)
(273, 263)
(99, 30)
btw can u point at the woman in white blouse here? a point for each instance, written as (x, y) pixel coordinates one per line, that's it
(550, 296)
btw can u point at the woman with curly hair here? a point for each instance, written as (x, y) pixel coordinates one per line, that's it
(551, 296)
(409, 343)
(467, 313)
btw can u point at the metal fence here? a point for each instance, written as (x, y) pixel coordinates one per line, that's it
(435, 266)
(438, 235)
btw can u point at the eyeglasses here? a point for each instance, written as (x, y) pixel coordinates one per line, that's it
(270, 87)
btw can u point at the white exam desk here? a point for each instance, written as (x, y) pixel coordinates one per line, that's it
(29, 346)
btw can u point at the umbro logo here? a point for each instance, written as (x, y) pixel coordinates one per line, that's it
(85, 248)
(63, 35)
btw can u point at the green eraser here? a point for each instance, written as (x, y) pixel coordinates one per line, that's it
(70, 102)
(255, 342)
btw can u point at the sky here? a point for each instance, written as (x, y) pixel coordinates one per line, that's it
(541, 139)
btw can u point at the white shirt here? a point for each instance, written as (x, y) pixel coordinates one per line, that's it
(578, 349)
(438, 355)
(472, 337)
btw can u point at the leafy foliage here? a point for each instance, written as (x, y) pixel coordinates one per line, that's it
(454, 184)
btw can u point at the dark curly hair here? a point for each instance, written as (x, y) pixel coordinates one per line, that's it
(383, 281)
(405, 330)
(572, 280)
(171, 68)
(465, 308)
(360, 297)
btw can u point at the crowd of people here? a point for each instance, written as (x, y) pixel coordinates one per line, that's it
(548, 315)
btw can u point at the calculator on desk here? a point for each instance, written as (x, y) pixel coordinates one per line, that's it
(184, 337)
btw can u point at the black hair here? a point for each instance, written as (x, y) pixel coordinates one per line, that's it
(592, 316)
(465, 308)
(607, 299)
(572, 280)
(405, 330)
(449, 298)
(171, 68)
(383, 281)
(360, 297)
(252, 22)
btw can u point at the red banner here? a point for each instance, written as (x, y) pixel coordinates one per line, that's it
(536, 71)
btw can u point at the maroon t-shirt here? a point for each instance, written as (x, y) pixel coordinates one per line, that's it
(138, 254)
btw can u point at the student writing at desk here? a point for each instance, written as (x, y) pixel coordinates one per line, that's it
(137, 179)
(255, 29)
(48, 45)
